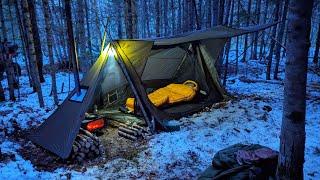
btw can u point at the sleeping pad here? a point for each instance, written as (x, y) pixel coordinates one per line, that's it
(171, 94)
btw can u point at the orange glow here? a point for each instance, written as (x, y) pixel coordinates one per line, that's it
(96, 124)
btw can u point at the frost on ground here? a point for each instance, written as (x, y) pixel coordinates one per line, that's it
(252, 116)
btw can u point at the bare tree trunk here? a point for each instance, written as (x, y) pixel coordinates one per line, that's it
(197, 14)
(215, 12)
(12, 23)
(273, 43)
(97, 19)
(226, 19)
(147, 18)
(119, 22)
(209, 14)
(47, 17)
(255, 35)
(2, 96)
(81, 35)
(23, 39)
(179, 28)
(200, 13)
(190, 11)
(165, 17)
(3, 28)
(5, 57)
(33, 62)
(157, 7)
(134, 19)
(60, 39)
(173, 17)
(36, 37)
(88, 27)
(238, 38)
(185, 19)
(316, 52)
(71, 44)
(221, 12)
(246, 36)
(262, 44)
(292, 138)
(228, 46)
(131, 19)
(280, 38)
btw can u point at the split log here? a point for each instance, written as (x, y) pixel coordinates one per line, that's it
(86, 146)
(127, 136)
(128, 131)
(140, 128)
(89, 134)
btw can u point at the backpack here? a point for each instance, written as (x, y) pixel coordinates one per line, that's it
(226, 165)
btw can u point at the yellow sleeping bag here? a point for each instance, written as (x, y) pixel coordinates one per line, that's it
(171, 94)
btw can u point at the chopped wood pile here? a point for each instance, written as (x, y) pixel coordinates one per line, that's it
(86, 146)
(132, 133)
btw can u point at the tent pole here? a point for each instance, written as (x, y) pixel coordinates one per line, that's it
(104, 35)
(149, 119)
(103, 42)
(77, 78)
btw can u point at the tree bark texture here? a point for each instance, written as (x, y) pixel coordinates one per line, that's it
(292, 138)
(316, 51)
(5, 57)
(71, 46)
(273, 43)
(36, 37)
(131, 19)
(33, 62)
(280, 39)
(47, 17)
(246, 36)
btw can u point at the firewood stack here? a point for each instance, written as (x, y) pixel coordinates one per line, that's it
(133, 132)
(86, 146)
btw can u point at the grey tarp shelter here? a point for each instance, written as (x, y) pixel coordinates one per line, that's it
(135, 66)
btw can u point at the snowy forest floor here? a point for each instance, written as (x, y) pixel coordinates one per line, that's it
(252, 116)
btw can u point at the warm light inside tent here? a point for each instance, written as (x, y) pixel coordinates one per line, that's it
(112, 51)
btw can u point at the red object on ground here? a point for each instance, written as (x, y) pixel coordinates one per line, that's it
(96, 124)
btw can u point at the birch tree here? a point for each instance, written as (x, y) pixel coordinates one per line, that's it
(292, 138)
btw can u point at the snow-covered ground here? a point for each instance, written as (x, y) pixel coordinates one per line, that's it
(183, 154)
